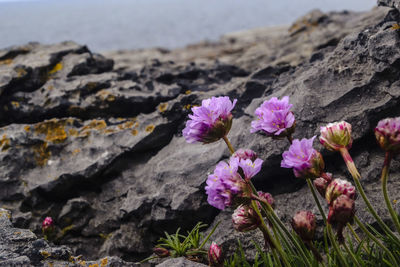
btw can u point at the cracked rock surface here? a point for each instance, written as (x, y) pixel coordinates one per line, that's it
(95, 142)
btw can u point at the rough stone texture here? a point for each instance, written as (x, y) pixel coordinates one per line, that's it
(97, 145)
(389, 3)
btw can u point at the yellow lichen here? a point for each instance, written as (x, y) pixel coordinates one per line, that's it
(45, 254)
(395, 26)
(20, 72)
(57, 67)
(163, 107)
(6, 213)
(134, 132)
(106, 95)
(17, 233)
(187, 106)
(73, 132)
(105, 236)
(103, 262)
(15, 104)
(91, 85)
(126, 125)
(109, 131)
(188, 92)
(66, 229)
(96, 125)
(42, 153)
(394, 201)
(50, 87)
(27, 128)
(76, 151)
(6, 61)
(94, 265)
(4, 143)
(149, 128)
(53, 129)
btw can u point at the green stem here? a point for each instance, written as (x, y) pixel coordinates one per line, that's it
(231, 149)
(335, 245)
(356, 177)
(357, 237)
(271, 238)
(329, 227)
(315, 251)
(384, 179)
(311, 186)
(278, 223)
(353, 258)
(278, 262)
(373, 238)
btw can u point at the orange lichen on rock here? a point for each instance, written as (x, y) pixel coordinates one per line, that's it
(54, 130)
(150, 128)
(4, 143)
(6, 61)
(20, 72)
(188, 92)
(103, 262)
(134, 132)
(42, 153)
(59, 66)
(163, 107)
(27, 128)
(106, 96)
(15, 104)
(95, 125)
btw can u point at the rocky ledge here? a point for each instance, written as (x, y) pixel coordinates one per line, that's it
(95, 142)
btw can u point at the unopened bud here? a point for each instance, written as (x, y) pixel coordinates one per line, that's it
(215, 257)
(336, 135)
(387, 133)
(342, 210)
(161, 252)
(245, 154)
(244, 219)
(339, 187)
(304, 224)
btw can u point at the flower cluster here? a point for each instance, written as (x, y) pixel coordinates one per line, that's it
(211, 121)
(274, 117)
(304, 159)
(244, 219)
(228, 180)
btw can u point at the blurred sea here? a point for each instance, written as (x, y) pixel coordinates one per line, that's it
(128, 24)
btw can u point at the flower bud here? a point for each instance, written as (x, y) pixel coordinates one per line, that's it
(215, 258)
(267, 197)
(161, 252)
(245, 154)
(387, 133)
(47, 224)
(339, 187)
(304, 224)
(321, 184)
(342, 210)
(245, 219)
(336, 135)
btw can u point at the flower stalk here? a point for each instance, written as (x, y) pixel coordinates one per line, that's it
(384, 179)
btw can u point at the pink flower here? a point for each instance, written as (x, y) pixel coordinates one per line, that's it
(226, 182)
(336, 135)
(47, 223)
(211, 121)
(342, 210)
(304, 159)
(387, 133)
(274, 117)
(245, 154)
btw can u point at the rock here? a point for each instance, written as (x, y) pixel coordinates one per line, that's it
(179, 262)
(98, 146)
(389, 3)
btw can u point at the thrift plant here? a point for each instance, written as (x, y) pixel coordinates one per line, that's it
(230, 187)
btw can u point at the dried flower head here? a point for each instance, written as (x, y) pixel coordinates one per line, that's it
(274, 117)
(336, 135)
(211, 121)
(387, 133)
(161, 252)
(304, 224)
(244, 219)
(267, 197)
(304, 159)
